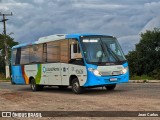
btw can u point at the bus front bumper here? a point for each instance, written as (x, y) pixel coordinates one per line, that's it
(93, 80)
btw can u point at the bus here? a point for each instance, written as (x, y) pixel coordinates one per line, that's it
(78, 61)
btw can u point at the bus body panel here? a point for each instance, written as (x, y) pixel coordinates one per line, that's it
(17, 76)
(64, 74)
(79, 71)
(49, 74)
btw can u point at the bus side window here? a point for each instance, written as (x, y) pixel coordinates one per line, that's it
(53, 51)
(64, 51)
(18, 56)
(36, 53)
(75, 48)
(24, 55)
(44, 56)
(78, 49)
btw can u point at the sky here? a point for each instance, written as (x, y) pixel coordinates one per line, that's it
(124, 19)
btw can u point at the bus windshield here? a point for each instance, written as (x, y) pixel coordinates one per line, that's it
(98, 50)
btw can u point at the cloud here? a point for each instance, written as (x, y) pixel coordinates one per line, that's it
(98, 6)
(155, 22)
(124, 19)
(39, 1)
(128, 42)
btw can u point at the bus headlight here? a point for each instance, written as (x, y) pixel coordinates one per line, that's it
(95, 72)
(125, 70)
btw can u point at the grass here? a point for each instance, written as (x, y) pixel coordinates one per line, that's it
(2, 77)
(5, 79)
(143, 77)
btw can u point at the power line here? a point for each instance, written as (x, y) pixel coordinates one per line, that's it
(5, 43)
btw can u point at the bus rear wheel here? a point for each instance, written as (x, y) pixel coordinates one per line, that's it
(110, 87)
(76, 88)
(34, 86)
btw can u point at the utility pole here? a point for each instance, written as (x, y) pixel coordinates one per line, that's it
(5, 43)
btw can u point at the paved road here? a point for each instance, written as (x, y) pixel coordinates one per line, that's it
(148, 90)
(126, 97)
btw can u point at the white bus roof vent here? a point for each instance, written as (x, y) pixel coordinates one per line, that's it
(51, 38)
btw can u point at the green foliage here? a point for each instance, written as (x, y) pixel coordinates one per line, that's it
(143, 77)
(3, 77)
(156, 73)
(145, 60)
(10, 43)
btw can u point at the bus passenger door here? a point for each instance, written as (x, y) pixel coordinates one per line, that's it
(64, 58)
(64, 74)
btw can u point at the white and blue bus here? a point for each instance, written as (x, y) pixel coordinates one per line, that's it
(76, 60)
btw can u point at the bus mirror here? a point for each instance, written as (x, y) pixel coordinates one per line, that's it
(74, 48)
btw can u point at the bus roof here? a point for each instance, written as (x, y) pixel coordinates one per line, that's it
(56, 37)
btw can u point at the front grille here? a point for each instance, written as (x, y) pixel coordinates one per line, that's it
(106, 73)
(111, 73)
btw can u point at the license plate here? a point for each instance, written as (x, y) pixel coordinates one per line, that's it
(113, 79)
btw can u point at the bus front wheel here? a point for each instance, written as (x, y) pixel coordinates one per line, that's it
(34, 86)
(76, 88)
(110, 87)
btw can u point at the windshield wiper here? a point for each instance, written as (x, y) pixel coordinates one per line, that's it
(113, 54)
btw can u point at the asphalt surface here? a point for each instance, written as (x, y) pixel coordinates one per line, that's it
(125, 97)
(135, 89)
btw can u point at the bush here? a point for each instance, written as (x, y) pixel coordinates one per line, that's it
(2, 76)
(142, 77)
(155, 74)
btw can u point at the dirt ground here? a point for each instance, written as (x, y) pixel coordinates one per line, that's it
(126, 97)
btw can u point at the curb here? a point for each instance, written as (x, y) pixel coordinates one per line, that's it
(144, 81)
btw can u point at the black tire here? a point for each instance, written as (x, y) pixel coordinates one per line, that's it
(76, 88)
(62, 87)
(35, 87)
(110, 87)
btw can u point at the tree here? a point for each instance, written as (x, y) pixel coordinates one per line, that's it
(10, 44)
(132, 59)
(146, 57)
